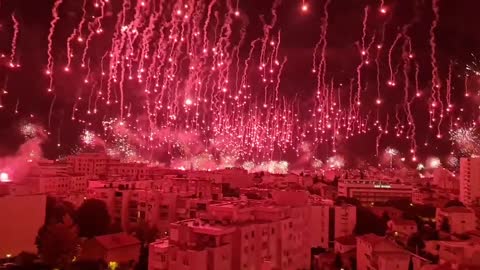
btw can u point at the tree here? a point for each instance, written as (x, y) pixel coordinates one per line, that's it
(353, 263)
(56, 209)
(368, 222)
(26, 259)
(145, 233)
(338, 261)
(58, 243)
(93, 218)
(445, 225)
(385, 216)
(415, 243)
(454, 203)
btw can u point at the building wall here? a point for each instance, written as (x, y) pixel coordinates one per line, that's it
(345, 220)
(187, 259)
(460, 222)
(470, 181)
(368, 191)
(158, 255)
(21, 218)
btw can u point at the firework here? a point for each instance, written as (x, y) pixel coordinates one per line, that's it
(190, 77)
(88, 137)
(28, 130)
(467, 140)
(4, 177)
(433, 162)
(336, 162)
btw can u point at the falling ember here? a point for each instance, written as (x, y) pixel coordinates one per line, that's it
(191, 80)
(304, 7)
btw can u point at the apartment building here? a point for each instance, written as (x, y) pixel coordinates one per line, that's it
(459, 219)
(470, 181)
(22, 216)
(329, 222)
(371, 191)
(261, 235)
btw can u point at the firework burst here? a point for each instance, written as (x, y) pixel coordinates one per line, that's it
(467, 140)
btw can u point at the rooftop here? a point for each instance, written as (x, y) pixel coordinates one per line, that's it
(371, 238)
(117, 240)
(203, 227)
(161, 243)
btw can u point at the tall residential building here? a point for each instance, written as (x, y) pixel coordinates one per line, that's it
(459, 219)
(470, 181)
(329, 222)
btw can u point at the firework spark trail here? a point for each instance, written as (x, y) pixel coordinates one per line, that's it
(363, 53)
(16, 30)
(16, 106)
(436, 87)
(51, 31)
(186, 58)
(50, 111)
(407, 101)
(391, 81)
(322, 67)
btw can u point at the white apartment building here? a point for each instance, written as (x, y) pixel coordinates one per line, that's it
(371, 191)
(158, 203)
(456, 252)
(460, 219)
(238, 235)
(21, 216)
(329, 222)
(58, 184)
(90, 163)
(470, 181)
(376, 252)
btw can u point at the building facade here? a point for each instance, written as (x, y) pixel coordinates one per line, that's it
(371, 191)
(470, 181)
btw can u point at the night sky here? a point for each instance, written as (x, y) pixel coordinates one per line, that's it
(457, 37)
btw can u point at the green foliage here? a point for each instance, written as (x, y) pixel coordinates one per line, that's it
(145, 233)
(368, 222)
(58, 243)
(445, 225)
(93, 218)
(56, 210)
(415, 242)
(454, 203)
